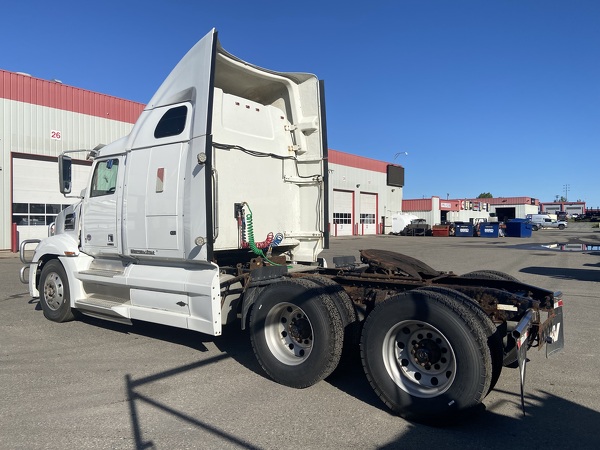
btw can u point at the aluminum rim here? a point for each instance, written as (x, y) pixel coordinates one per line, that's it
(289, 334)
(419, 358)
(54, 291)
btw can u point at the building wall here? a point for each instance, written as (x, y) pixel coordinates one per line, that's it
(568, 207)
(39, 119)
(467, 216)
(434, 209)
(427, 209)
(359, 175)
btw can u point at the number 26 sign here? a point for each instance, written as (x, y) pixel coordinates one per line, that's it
(54, 134)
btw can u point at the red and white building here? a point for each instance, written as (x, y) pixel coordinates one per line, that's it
(364, 194)
(435, 210)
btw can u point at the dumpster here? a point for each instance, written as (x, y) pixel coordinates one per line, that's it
(441, 230)
(519, 228)
(489, 229)
(463, 229)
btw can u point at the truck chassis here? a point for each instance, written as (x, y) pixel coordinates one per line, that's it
(432, 343)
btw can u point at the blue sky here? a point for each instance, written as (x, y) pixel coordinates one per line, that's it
(498, 96)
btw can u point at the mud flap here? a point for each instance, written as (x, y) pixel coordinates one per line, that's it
(521, 335)
(522, 359)
(556, 338)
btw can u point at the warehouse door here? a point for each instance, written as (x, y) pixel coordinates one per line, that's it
(343, 202)
(368, 214)
(505, 214)
(36, 199)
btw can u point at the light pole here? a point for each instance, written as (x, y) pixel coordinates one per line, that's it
(566, 188)
(400, 153)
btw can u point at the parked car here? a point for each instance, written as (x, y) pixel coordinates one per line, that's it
(545, 221)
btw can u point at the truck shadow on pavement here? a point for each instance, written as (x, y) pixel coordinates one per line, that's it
(564, 273)
(135, 398)
(550, 422)
(234, 343)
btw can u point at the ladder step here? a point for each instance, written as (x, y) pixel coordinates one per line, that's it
(101, 273)
(105, 308)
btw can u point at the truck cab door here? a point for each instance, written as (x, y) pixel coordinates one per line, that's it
(167, 200)
(100, 234)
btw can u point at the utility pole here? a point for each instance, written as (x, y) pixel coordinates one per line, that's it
(566, 188)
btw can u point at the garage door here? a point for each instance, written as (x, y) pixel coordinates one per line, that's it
(343, 202)
(368, 214)
(36, 198)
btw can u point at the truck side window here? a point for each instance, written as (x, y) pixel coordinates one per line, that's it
(171, 123)
(104, 181)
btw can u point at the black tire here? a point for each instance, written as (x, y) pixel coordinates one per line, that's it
(338, 295)
(535, 227)
(426, 356)
(352, 326)
(490, 275)
(296, 332)
(55, 297)
(561, 227)
(493, 334)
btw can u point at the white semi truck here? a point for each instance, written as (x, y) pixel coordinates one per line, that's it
(214, 209)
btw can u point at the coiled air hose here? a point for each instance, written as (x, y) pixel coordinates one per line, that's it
(268, 243)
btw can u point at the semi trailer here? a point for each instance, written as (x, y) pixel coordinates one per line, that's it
(214, 210)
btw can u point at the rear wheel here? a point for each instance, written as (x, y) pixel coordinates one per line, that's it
(426, 355)
(493, 334)
(54, 293)
(509, 343)
(296, 332)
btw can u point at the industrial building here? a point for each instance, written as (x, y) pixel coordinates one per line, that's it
(41, 119)
(436, 211)
(364, 194)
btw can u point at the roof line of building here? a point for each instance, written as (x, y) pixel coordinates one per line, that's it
(359, 162)
(52, 94)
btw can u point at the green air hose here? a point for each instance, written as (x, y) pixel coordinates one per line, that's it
(251, 243)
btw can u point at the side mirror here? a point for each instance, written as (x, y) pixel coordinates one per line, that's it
(64, 174)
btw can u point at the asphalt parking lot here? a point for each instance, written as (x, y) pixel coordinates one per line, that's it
(90, 384)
